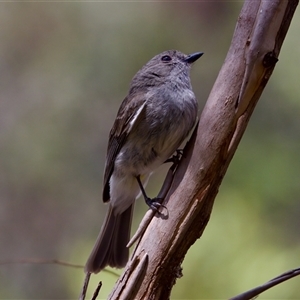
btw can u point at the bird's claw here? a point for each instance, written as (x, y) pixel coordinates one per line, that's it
(155, 204)
(176, 157)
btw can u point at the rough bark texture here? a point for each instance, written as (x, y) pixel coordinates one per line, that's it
(155, 265)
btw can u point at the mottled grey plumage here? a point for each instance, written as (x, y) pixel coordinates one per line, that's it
(153, 120)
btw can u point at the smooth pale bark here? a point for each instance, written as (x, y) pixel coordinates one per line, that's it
(156, 262)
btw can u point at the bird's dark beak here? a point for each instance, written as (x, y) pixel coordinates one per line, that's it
(193, 57)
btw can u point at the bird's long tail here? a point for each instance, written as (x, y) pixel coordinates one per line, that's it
(110, 247)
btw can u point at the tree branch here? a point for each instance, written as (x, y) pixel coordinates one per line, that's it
(259, 34)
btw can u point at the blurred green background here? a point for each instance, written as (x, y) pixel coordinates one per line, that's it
(65, 68)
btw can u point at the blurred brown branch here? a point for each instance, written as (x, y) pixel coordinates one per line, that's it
(155, 265)
(40, 262)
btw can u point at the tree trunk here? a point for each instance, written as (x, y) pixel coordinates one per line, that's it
(156, 262)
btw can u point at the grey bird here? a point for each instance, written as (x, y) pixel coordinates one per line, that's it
(153, 120)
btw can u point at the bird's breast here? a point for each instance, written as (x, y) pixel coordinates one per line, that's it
(167, 119)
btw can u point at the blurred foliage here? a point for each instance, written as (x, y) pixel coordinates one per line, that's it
(64, 69)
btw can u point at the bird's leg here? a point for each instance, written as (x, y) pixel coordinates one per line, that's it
(161, 196)
(154, 203)
(175, 159)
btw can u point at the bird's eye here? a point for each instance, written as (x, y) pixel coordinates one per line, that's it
(166, 58)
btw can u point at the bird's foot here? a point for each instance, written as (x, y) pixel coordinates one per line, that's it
(155, 203)
(175, 159)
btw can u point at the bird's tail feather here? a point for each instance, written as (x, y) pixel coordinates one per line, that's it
(110, 247)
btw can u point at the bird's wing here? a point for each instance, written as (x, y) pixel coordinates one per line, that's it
(130, 114)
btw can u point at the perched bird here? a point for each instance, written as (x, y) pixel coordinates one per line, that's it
(153, 120)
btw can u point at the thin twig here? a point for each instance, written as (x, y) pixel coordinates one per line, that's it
(95, 295)
(262, 288)
(85, 286)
